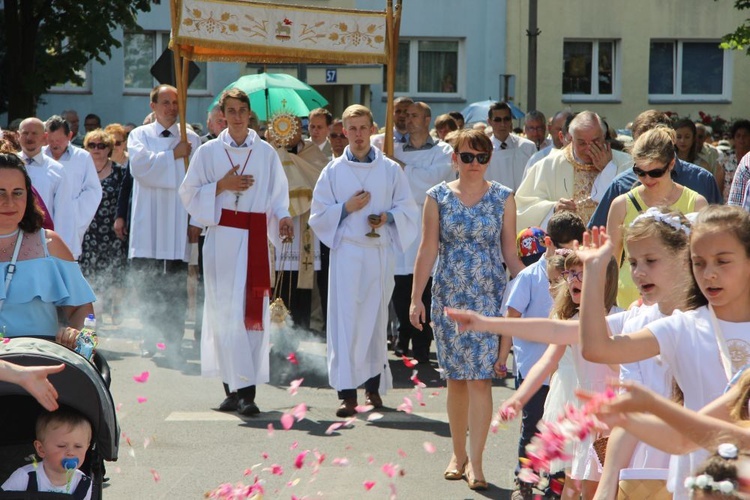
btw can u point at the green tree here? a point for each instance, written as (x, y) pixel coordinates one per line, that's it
(44, 43)
(740, 39)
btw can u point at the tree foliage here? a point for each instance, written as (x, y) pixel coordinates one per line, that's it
(740, 38)
(45, 42)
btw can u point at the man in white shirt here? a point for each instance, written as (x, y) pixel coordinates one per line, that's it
(71, 116)
(558, 132)
(47, 177)
(400, 105)
(426, 162)
(535, 129)
(319, 126)
(85, 187)
(159, 222)
(510, 152)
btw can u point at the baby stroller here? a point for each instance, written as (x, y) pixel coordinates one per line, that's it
(82, 386)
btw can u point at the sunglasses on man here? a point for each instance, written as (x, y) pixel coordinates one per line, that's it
(499, 119)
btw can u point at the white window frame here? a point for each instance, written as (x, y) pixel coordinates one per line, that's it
(71, 88)
(159, 48)
(412, 91)
(726, 93)
(595, 96)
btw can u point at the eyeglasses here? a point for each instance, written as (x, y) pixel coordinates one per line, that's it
(540, 128)
(336, 136)
(96, 145)
(482, 158)
(654, 174)
(571, 275)
(499, 119)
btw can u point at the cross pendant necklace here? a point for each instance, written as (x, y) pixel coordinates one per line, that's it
(237, 194)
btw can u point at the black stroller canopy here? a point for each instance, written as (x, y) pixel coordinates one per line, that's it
(79, 386)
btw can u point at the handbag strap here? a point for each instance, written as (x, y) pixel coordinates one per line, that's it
(11, 270)
(635, 202)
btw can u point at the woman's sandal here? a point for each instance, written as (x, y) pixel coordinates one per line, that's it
(456, 474)
(476, 484)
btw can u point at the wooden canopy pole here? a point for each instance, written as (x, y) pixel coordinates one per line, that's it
(393, 25)
(180, 78)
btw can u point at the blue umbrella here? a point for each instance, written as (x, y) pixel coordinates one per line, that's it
(477, 111)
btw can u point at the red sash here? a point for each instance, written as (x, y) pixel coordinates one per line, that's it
(258, 280)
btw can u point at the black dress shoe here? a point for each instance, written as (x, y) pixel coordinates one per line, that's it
(230, 403)
(348, 408)
(247, 408)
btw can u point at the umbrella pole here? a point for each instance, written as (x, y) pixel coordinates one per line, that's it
(181, 94)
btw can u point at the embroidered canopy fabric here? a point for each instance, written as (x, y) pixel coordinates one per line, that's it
(237, 30)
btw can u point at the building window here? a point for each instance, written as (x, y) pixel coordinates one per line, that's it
(141, 51)
(429, 67)
(590, 70)
(74, 88)
(688, 71)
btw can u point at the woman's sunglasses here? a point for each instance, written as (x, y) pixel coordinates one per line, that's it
(482, 158)
(654, 174)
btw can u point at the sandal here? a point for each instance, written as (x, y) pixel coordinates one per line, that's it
(456, 474)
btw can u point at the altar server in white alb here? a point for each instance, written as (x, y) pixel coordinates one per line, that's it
(159, 223)
(426, 162)
(85, 188)
(363, 210)
(236, 187)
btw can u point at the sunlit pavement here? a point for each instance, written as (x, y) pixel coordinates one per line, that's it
(175, 445)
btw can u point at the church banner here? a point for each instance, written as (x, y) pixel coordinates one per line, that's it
(236, 30)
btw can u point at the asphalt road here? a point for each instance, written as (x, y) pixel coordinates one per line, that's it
(175, 445)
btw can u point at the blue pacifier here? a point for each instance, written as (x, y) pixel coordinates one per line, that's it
(70, 463)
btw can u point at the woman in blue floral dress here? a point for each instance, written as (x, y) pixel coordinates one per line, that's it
(470, 224)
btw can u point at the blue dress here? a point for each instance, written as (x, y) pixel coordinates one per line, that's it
(39, 286)
(469, 275)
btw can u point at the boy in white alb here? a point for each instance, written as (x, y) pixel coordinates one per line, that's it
(359, 195)
(62, 439)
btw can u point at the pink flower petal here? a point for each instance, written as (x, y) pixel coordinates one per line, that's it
(320, 457)
(292, 358)
(415, 379)
(401, 453)
(429, 447)
(294, 386)
(6, 340)
(368, 485)
(276, 470)
(141, 399)
(363, 408)
(343, 462)
(270, 430)
(406, 407)
(146, 442)
(420, 397)
(247, 472)
(142, 378)
(161, 346)
(155, 475)
(409, 363)
(287, 421)
(374, 416)
(299, 462)
(370, 460)
(118, 407)
(333, 428)
(299, 411)
(264, 455)
(389, 469)
(294, 445)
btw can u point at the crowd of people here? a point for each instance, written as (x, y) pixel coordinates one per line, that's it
(628, 263)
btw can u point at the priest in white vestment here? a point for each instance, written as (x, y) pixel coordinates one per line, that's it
(575, 179)
(359, 195)
(509, 152)
(236, 187)
(426, 163)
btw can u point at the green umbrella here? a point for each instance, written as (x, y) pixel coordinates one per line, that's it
(276, 93)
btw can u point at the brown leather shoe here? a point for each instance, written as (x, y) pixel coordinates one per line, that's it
(347, 408)
(373, 399)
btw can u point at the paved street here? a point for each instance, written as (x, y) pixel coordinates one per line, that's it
(175, 446)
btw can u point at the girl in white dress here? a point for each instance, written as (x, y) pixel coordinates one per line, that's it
(703, 346)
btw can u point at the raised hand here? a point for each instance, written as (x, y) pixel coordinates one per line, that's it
(596, 247)
(466, 320)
